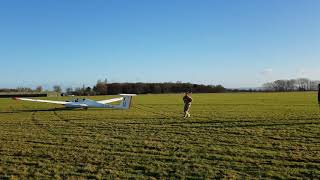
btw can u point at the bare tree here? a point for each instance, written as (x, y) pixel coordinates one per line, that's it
(101, 88)
(69, 91)
(314, 85)
(303, 84)
(57, 88)
(24, 89)
(39, 89)
(291, 84)
(280, 85)
(269, 86)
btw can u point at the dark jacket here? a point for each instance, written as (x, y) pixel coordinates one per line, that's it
(319, 94)
(187, 99)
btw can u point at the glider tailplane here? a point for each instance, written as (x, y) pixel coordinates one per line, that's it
(127, 100)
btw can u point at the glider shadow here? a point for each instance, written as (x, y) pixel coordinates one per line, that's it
(37, 110)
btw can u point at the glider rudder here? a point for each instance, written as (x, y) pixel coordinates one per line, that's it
(127, 100)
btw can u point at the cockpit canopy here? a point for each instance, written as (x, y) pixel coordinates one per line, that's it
(77, 100)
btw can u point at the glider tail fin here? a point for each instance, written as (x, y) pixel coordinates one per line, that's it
(127, 100)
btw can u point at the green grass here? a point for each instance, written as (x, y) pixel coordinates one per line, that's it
(259, 135)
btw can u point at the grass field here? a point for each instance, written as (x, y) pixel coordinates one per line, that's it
(259, 135)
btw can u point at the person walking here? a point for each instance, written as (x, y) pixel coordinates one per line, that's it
(319, 94)
(187, 104)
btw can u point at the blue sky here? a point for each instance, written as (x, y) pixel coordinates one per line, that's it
(230, 42)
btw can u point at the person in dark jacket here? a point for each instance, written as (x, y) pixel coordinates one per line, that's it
(319, 94)
(187, 104)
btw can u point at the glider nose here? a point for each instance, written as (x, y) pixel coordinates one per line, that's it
(14, 98)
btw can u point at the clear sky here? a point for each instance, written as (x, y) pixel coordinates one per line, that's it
(236, 43)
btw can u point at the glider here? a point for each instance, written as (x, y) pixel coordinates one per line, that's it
(126, 100)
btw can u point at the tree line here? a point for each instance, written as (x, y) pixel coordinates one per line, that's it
(301, 84)
(38, 89)
(104, 88)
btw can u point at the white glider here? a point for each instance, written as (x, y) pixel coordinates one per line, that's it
(126, 100)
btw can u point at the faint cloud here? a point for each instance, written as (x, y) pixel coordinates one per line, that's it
(267, 72)
(266, 75)
(301, 73)
(310, 73)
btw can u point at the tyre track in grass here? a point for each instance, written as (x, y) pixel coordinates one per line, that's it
(248, 124)
(216, 156)
(148, 109)
(43, 126)
(245, 124)
(168, 114)
(11, 108)
(58, 141)
(49, 128)
(84, 132)
(71, 124)
(61, 118)
(40, 138)
(104, 149)
(131, 148)
(68, 125)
